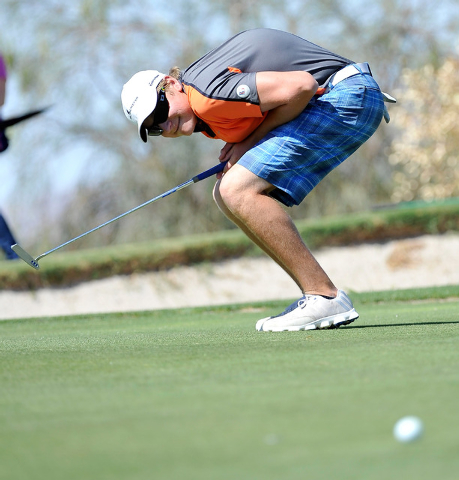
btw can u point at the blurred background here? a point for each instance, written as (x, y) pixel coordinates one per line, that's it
(81, 163)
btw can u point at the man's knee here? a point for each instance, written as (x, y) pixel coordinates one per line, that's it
(230, 193)
(218, 198)
(238, 189)
(223, 196)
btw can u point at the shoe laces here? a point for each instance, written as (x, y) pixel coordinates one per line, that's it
(302, 302)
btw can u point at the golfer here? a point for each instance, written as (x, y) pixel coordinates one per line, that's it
(290, 112)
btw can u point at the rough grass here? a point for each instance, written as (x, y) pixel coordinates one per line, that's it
(198, 394)
(65, 268)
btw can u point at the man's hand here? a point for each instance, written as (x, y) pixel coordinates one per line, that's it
(232, 152)
(284, 95)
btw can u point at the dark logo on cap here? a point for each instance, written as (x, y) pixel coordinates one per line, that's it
(129, 110)
(153, 81)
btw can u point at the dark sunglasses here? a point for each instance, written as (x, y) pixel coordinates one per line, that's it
(161, 113)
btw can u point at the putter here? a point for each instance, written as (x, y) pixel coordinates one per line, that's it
(33, 262)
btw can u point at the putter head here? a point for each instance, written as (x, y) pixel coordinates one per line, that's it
(21, 253)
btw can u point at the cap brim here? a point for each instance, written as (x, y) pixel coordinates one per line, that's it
(143, 133)
(148, 108)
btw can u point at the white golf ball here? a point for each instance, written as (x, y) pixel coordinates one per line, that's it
(408, 429)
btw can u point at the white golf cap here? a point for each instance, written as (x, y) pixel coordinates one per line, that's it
(139, 97)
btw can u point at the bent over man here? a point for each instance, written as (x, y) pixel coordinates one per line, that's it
(290, 112)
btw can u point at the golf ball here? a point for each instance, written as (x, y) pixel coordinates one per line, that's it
(408, 429)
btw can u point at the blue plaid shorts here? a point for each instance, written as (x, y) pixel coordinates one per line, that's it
(296, 156)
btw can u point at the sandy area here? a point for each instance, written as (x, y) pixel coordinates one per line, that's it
(418, 262)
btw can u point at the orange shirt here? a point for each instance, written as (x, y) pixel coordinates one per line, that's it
(221, 86)
(230, 121)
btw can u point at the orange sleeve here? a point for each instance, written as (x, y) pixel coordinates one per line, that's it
(231, 121)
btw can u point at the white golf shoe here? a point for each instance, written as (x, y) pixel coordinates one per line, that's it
(311, 312)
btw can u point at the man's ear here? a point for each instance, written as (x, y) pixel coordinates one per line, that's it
(173, 84)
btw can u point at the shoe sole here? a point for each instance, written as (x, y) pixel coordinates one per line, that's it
(327, 323)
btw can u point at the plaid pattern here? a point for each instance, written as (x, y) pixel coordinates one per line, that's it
(296, 156)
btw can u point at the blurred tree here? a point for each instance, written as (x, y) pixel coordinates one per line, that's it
(426, 153)
(82, 163)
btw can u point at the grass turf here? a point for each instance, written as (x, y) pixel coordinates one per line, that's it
(198, 394)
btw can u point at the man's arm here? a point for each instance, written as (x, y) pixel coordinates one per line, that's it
(3, 76)
(2, 91)
(284, 95)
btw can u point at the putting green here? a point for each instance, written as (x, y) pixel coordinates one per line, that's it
(197, 394)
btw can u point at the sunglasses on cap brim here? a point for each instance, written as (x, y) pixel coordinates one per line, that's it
(161, 113)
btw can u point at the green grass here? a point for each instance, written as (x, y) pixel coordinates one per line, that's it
(67, 267)
(198, 394)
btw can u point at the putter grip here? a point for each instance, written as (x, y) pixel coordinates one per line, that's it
(210, 172)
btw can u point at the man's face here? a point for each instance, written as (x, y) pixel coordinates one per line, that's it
(181, 119)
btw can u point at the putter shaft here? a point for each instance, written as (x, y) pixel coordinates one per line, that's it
(33, 262)
(173, 190)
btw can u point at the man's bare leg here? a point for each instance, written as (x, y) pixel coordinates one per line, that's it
(243, 227)
(242, 196)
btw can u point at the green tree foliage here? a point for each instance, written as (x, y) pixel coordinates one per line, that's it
(82, 163)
